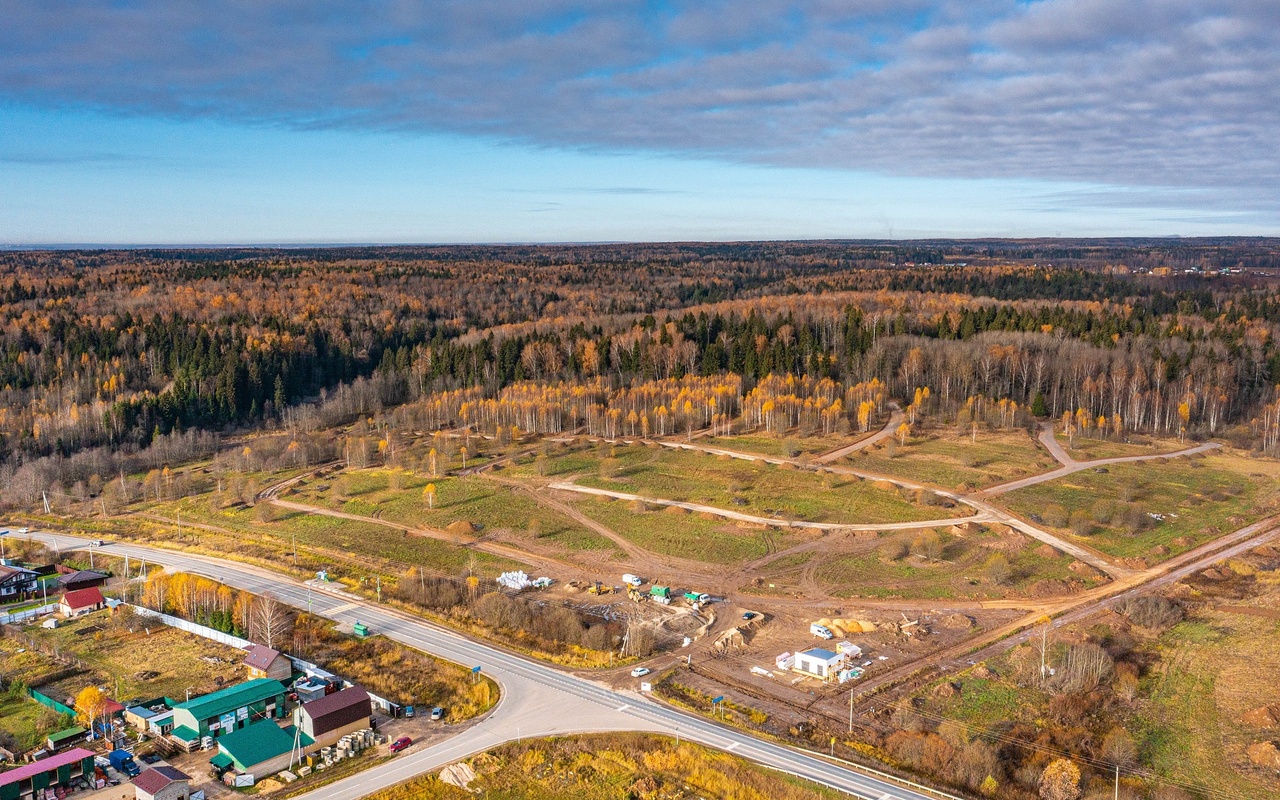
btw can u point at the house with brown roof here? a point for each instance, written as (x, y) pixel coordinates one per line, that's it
(81, 602)
(17, 582)
(263, 662)
(162, 783)
(81, 579)
(333, 716)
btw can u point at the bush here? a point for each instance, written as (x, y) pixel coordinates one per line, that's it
(1102, 511)
(1055, 516)
(1081, 523)
(1152, 611)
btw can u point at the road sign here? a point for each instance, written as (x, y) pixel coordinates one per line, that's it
(475, 669)
(718, 699)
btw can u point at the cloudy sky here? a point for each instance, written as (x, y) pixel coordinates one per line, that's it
(206, 121)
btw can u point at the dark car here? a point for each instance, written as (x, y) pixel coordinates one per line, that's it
(400, 744)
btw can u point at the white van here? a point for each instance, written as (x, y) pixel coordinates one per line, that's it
(821, 631)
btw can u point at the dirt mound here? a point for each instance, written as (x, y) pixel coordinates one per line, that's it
(956, 622)
(708, 515)
(638, 506)
(1216, 574)
(1050, 587)
(675, 510)
(146, 675)
(1265, 754)
(983, 672)
(1159, 550)
(1183, 541)
(460, 775)
(1263, 718)
(461, 527)
(1081, 568)
(1046, 551)
(944, 690)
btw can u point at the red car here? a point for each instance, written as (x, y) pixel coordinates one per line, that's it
(400, 744)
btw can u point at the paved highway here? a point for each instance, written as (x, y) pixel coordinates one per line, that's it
(537, 700)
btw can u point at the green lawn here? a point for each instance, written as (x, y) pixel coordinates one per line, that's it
(943, 458)
(961, 573)
(27, 721)
(712, 541)
(764, 490)
(1200, 499)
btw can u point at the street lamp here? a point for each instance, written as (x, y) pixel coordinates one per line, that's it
(189, 688)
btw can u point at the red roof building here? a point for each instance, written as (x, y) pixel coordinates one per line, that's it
(81, 601)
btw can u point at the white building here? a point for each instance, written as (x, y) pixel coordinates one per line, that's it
(818, 663)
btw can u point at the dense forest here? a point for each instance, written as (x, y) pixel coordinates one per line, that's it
(113, 361)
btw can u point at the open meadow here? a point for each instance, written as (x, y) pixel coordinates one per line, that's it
(1155, 509)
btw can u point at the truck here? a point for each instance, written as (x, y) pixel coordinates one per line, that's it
(632, 580)
(122, 761)
(821, 631)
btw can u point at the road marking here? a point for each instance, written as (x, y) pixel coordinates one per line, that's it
(624, 708)
(731, 747)
(343, 607)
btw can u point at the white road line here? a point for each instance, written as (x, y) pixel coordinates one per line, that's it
(624, 708)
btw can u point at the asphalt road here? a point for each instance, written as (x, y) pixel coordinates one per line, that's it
(537, 700)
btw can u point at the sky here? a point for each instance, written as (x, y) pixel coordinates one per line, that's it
(314, 121)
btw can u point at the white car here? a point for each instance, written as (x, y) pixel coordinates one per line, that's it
(639, 672)
(24, 530)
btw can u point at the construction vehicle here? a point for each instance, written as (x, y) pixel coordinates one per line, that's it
(598, 588)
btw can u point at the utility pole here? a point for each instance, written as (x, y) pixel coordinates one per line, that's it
(45, 497)
(1117, 782)
(851, 712)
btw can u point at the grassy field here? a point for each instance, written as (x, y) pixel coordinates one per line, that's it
(1198, 679)
(1199, 499)
(608, 767)
(754, 488)
(1088, 449)
(159, 661)
(396, 672)
(1212, 670)
(961, 572)
(339, 536)
(486, 504)
(27, 721)
(943, 458)
(793, 446)
(712, 541)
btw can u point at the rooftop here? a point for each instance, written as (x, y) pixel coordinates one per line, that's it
(156, 778)
(83, 598)
(258, 742)
(81, 576)
(233, 697)
(338, 709)
(44, 765)
(260, 656)
(819, 653)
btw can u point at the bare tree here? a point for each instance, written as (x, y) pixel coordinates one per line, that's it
(269, 621)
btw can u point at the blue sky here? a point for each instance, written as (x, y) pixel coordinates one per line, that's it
(494, 120)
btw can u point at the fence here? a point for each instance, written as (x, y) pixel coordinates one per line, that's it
(191, 627)
(15, 617)
(244, 644)
(46, 700)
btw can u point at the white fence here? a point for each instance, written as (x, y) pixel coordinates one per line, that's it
(26, 614)
(191, 627)
(205, 631)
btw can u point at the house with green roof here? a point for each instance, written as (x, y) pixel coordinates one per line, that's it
(261, 748)
(226, 711)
